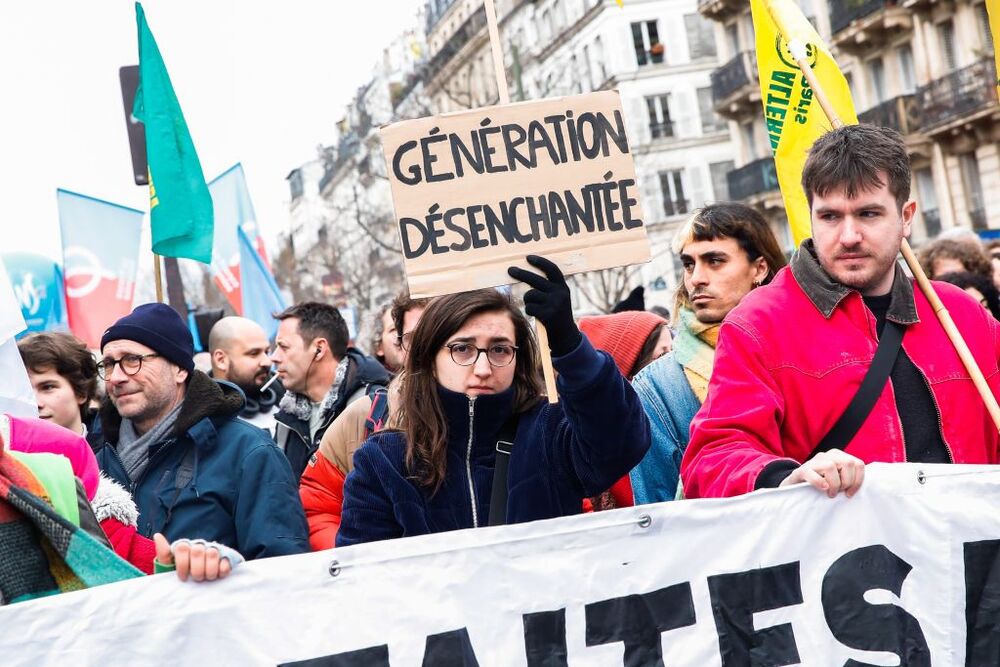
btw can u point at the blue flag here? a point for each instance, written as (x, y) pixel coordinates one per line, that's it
(261, 296)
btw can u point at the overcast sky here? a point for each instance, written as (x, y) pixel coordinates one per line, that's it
(260, 83)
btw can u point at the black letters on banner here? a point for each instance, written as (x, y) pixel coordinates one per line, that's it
(737, 597)
(982, 603)
(872, 627)
(638, 621)
(450, 649)
(375, 656)
(545, 638)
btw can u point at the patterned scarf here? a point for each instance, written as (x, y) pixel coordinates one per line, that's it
(694, 350)
(41, 553)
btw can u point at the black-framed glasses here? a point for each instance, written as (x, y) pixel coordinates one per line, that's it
(405, 340)
(130, 363)
(498, 354)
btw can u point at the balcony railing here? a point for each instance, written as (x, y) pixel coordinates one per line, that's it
(675, 206)
(842, 12)
(465, 32)
(959, 93)
(752, 179)
(932, 223)
(902, 114)
(738, 72)
(662, 130)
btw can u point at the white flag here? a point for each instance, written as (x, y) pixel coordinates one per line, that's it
(16, 395)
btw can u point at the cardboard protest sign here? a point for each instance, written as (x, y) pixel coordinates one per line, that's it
(476, 191)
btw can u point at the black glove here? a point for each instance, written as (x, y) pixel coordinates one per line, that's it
(550, 302)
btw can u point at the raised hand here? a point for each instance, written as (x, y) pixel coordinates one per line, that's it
(549, 300)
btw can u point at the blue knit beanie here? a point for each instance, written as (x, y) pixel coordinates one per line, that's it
(158, 327)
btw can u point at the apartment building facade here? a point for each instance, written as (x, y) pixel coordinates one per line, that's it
(923, 67)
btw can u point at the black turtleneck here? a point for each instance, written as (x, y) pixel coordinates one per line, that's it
(917, 410)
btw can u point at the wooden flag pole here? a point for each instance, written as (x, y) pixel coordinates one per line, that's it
(501, 76)
(954, 335)
(158, 278)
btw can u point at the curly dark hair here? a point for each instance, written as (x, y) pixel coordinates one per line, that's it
(970, 253)
(985, 286)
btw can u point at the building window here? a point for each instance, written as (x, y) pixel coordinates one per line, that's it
(646, 40)
(974, 200)
(588, 70)
(548, 33)
(946, 38)
(720, 181)
(984, 27)
(733, 37)
(672, 186)
(701, 42)
(928, 202)
(660, 124)
(876, 80)
(558, 15)
(710, 121)
(749, 141)
(602, 73)
(849, 78)
(295, 184)
(907, 75)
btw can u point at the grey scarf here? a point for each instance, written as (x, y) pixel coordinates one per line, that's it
(133, 449)
(300, 406)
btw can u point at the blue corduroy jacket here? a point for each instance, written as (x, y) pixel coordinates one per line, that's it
(562, 454)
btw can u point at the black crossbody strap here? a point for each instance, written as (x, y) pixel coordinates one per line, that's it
(498, 497)
(857, 411)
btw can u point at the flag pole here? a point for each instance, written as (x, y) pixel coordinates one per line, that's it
(157, 278)
(543, 336)
(798, 50)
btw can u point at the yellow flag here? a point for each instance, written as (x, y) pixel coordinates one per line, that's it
(621, 3)
(792, 116)
(993, 10)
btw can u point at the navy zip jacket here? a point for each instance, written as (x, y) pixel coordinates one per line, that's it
(216, 477)
(562, 454)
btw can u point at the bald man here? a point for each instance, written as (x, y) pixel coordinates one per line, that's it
(239, 350)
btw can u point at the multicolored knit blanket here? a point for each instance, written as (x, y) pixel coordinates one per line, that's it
(42, 553)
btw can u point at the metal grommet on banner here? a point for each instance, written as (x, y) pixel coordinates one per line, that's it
(921, 477)
(645, 521)
(334, 568)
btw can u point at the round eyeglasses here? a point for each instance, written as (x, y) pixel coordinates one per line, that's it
(130, 363)
(465, 354)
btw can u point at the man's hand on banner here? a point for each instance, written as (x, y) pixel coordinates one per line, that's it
(201, 560)
(831, 472)
(549, 300)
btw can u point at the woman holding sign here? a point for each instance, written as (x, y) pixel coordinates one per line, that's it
(476, 443)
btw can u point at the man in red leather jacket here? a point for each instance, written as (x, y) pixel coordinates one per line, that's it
(792, 355)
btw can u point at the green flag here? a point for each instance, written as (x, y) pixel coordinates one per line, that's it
(180, 206)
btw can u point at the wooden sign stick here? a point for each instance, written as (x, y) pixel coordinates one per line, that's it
(501, 76)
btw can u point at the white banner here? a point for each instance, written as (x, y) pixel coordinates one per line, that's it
(786, 576)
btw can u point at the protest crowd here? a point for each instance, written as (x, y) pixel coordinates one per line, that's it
(140, 463)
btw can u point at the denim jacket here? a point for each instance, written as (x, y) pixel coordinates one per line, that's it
(670, 404)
